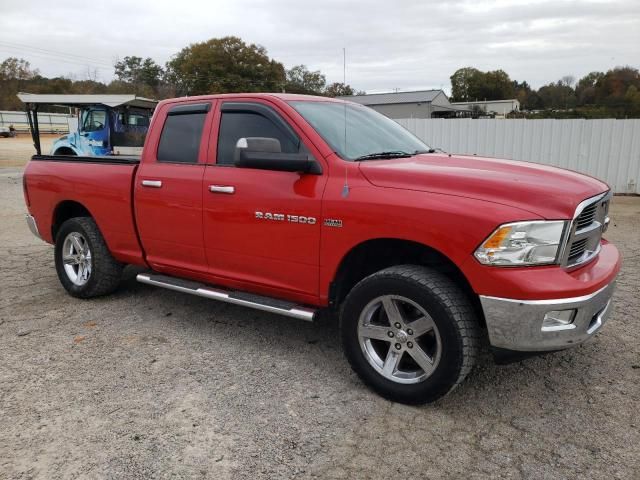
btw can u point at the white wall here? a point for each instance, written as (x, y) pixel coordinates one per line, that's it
(606, 149)
(48, 122)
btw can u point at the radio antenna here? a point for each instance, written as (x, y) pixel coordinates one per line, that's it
(345, 188)
(344, 83)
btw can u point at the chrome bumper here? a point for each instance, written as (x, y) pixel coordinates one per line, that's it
(518, 324)
(33, 226)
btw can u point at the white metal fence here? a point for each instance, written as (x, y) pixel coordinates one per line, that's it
(606, 149)
(48, 122)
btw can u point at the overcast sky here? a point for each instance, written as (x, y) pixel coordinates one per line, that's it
(390, 44)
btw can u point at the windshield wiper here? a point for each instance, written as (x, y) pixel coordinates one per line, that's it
(436, 149)
(381, 155)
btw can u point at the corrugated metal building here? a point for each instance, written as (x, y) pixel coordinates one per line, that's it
(418, 104)
(499, 107)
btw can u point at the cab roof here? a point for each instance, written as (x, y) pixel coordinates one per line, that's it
(286, 97)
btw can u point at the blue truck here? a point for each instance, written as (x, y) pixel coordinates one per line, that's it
(103, 125)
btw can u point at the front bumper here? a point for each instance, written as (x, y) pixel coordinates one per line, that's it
(517, 325)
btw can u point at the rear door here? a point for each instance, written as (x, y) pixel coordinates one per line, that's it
(261, 227)
(168, 188)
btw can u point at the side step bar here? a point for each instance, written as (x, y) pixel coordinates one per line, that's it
(250, 300)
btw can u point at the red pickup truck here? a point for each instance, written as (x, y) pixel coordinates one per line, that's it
(292, 204)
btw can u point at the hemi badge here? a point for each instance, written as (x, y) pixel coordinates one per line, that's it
(332, 222)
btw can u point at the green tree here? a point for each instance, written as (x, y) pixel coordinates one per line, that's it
(224, 65)
(118, 86)
(469, 84)
(465, 83)
(15, 75)
(632, 98)
(558, 96)
(528, 98)
(611, 90)
(338, 89)
(496, 85)
(301, 80)
(88, 87)
(14, 68)
(534, 102)
(586, 88)
(138, 71)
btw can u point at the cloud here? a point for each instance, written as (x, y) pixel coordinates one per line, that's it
(389, 45)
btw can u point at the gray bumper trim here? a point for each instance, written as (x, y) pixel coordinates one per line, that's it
(33, 226)
(517, 324)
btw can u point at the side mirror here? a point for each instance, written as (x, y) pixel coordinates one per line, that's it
(266, 154)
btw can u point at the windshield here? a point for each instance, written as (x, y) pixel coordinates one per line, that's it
(368, 132)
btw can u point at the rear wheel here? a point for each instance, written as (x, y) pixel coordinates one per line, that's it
(84, 264)
(410, 333)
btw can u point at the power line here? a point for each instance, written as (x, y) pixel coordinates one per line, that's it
(57, 53)
(60, 60)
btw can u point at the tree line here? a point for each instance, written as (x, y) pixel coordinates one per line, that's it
(219, 65)
(228, 64)
(611, 94)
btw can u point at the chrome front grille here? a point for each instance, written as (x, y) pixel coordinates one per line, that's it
(585, 232)
(577, 249)
(587, 216)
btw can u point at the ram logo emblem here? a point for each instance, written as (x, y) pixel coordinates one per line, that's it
(282, 217)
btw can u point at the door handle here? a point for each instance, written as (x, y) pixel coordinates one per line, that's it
(152, 183)
(229, 189)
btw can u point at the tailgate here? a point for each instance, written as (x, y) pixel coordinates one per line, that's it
(59, 186)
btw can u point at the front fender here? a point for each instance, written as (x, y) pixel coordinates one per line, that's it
(451, 225)
(64, 142)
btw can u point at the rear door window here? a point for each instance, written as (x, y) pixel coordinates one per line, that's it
(180, 138)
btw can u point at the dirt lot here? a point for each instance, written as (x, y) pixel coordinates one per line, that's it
(149, 383)
(16, 151)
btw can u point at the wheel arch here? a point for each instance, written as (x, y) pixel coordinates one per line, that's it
(65, 150)
(374, 255)
(64, 211)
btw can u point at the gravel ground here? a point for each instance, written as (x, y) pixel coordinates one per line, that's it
(149, 383)
(16, 151)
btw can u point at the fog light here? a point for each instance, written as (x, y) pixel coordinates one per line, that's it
(558, 320)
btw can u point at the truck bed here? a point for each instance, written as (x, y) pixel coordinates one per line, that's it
(107, 159)
(103, 185)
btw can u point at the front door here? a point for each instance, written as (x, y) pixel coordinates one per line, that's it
(168, 190)
(93, 139)
(261, 227)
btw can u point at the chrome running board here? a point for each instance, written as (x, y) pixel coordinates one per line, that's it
(258, 302)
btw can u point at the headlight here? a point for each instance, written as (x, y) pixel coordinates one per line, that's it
(522, 243)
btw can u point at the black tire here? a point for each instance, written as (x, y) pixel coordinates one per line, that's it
(105, 273)
(452, 313)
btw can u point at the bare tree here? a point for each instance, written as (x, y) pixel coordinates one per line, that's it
(568, 80)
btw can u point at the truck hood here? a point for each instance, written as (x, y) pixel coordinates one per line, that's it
(550, 192)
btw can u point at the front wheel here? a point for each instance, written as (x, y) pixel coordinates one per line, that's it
(84, 264)
(410, 333)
